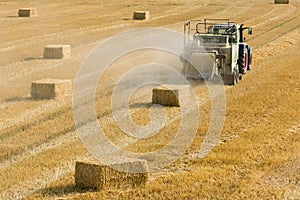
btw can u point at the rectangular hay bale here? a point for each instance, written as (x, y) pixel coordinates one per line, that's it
(51, 89)
(27, 12)
(203, 62)
(97, 176)
(281, 1)
(141, 15)
(57, 51)
(170, 95)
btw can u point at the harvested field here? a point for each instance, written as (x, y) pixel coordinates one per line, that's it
(257, 156)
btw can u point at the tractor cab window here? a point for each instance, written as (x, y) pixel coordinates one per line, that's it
(222, 30)
(231, 30)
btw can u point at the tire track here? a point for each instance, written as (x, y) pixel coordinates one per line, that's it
(54, 143)
(27, 115)
(292, 9)
(29, 186)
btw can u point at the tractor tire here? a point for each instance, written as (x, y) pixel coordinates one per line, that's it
(231, 79)
(243, 58)
(238, 75)
(249, 67)
(234, 82)
(235, 77)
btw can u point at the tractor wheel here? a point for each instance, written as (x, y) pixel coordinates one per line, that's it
(234, 78)
(243, 58)
(245, 62)
(249, 67)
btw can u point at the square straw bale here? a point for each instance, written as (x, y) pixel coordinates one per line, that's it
(170, 95)
(94, 175)
(141, 15)
(51, 89)
(281, 1)
(57, 51)
(27, 12)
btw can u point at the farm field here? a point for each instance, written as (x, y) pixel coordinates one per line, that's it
(258, 153)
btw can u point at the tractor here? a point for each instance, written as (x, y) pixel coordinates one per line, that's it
(216, 48)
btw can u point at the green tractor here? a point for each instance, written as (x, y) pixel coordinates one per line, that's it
(216, 47)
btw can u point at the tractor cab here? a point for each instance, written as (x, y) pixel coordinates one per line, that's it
(222, 29)
(227, 30)
(216, 34)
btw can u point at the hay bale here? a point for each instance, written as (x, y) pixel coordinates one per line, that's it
(57, 51)
(170, 95)
(89, 175)
(281, 1)
(203, 62)
(27, 12)
(51, 89)
(96, 176)
(141, 15)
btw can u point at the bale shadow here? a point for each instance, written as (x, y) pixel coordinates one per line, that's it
(140, 105)
(59, 191)
(18, 99)
(127, 19)
(12, 16)
(34, 58)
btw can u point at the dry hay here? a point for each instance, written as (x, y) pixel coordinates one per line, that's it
(57, 51)
(170, 95)
(141, 15)
(97, 176)
(51, 89)
(27, 12)
(281, 1)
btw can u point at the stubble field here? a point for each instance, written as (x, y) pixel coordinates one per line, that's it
(258, 154)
